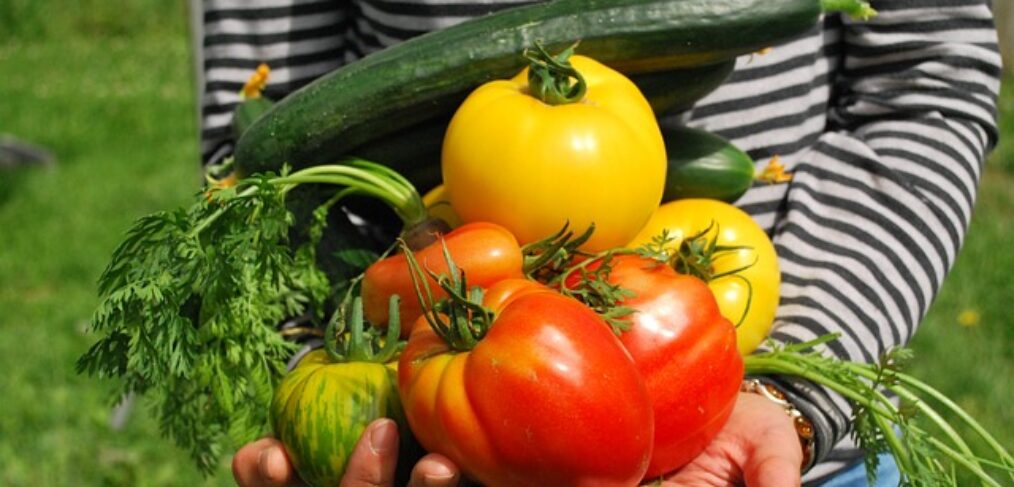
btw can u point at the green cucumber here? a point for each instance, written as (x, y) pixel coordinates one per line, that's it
(248, 111)
(704, 165)
(677, 90)
(415, 151)
(428, 76)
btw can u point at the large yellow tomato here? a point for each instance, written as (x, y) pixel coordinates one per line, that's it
(756, 285)
(512, 159)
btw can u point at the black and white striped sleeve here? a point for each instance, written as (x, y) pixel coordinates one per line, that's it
(879, 204)
(299, 39)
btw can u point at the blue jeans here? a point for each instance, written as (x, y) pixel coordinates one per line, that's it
(855, 475)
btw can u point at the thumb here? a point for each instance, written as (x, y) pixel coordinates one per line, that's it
(375, 456)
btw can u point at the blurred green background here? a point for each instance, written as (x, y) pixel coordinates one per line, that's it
(107, 86)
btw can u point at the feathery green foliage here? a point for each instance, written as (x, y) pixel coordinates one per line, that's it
(190, 303)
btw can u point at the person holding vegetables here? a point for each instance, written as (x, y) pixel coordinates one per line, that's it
(882, 125)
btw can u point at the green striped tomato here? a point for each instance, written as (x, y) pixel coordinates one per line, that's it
(321, 408)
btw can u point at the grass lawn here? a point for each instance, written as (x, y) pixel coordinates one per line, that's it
(107, 86)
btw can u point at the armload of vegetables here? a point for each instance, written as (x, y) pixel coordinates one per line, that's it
(527, 352)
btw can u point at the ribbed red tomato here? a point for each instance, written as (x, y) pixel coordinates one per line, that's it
(547, 397)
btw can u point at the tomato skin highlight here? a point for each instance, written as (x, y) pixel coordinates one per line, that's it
(734, 227)
(548, 397)
(515, 160)
(686, 353)
(485, 251)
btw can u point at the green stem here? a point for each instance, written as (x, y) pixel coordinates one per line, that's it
(964, 461)
(335, 328)
(460, 319)
(921, 405)
(765, 364)
(392, 345)
(768, 363)
(924, 388)
(929, 391)
(218, 213)
(857, 9)
(348, 340)
(357, 350)
(368, 178)
(549, 77)
(901, 455)
(359, 177)
(602, 258)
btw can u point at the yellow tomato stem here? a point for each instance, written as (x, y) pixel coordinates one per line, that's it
(549, 78)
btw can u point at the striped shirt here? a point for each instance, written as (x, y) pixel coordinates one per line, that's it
(884, 124)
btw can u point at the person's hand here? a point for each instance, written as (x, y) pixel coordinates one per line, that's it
(264, 463)
(757, 447)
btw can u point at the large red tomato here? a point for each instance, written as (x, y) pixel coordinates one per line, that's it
(547, 397)
(685, 351)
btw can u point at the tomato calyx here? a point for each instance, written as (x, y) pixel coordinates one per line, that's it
(558, 262)
(460, 319)
(592, 287)
(546, 259)
(696, 256)
(347, 339)
(549, 77)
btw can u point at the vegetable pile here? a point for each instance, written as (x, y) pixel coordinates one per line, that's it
(582, 311)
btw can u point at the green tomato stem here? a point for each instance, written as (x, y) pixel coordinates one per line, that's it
(347, 340)
(460, 319)
(357, 351)
(549, 77)
(392, 344)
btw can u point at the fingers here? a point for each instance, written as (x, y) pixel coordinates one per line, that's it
(375, 456)
(262, 463)
(435, 470)
(772, 471)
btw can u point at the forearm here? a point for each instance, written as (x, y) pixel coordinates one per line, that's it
(878, 206)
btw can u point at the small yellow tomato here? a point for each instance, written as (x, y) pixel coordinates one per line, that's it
(531, 166)
(756, 285)
(439, 205)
